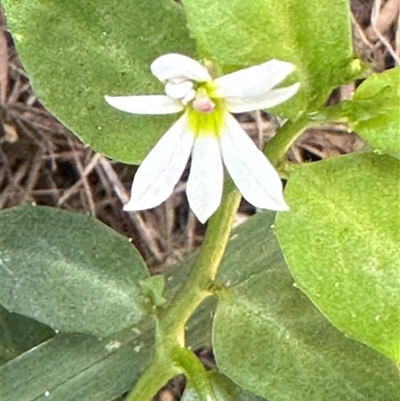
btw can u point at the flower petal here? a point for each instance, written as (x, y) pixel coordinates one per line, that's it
(161, 169)
(178, 90)
(156, 104)
(253, 174)
(204, 187)
(268, 100)
(253, 81)
(178, 66)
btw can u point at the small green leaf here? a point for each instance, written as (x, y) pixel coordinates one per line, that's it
(314, 35)
(69, 271)
(270, 339)
(75, 52)
(153, 287)
(341, 242)
(374, 112)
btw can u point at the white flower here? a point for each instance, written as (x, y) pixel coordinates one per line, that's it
(209, 133)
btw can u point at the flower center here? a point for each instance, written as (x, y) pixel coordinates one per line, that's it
(203, 104)
(206, 113)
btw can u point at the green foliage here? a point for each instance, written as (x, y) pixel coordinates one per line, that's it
(315, 36)
(82, 367)
(340, 238)
(224, 389)
(153, 287)
(75, 52)
(341, 242)
(85, 285)
(374, 112)
(291, 352)
(75, 367)
(19, 334)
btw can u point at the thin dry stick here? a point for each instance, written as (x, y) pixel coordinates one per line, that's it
(3, 68)
(374, 24)
(167, 216)
(135, 217)
(387, 15)
(398, 38)
(113, 178)
(361, 33)
(34, 170)
(14, 93)
(347, 91)
(191, 226)
(259, 124)
(82, 181)
(20, 173)
(27, 128)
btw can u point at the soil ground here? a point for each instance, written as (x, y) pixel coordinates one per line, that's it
(42, 162)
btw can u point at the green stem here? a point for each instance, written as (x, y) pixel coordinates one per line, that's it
(278, 146)
(195, 373)
(195, 289)
(170, 332)
(154, 377)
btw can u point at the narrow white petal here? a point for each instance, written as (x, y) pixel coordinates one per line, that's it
(204, 187)
(161, 169)
(268, 100)
(178, 66)
(178, 90)
(253, 81)
(157, 104)
(253, 174)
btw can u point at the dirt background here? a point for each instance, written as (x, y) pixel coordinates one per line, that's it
(42, 162)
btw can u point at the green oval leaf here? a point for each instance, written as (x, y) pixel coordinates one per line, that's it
(271, 340)
(315, 36)
(69, 271)
(341, 242)
(374, 112)
(75, 52)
